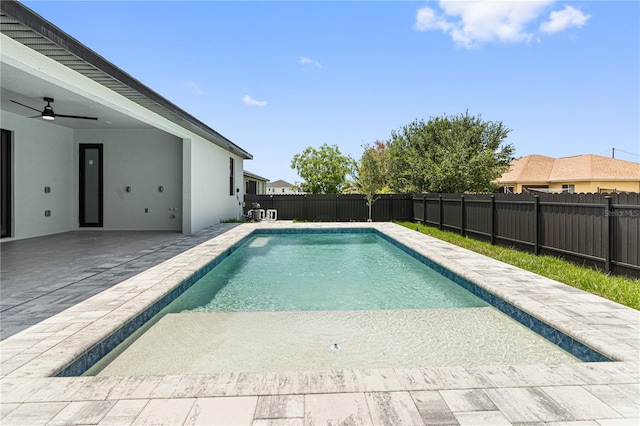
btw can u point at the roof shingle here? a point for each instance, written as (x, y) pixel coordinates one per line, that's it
(587, 167)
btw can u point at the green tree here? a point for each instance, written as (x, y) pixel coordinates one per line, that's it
(372, 172)
(323, 170)
(455, 154)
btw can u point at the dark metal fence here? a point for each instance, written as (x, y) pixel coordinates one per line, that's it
(343, 207)
(594, 229)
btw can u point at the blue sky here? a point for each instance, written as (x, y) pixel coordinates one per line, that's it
(276, 77)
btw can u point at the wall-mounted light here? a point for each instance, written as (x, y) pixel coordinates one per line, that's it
(128, 189)
(161, 189)
(47, 189)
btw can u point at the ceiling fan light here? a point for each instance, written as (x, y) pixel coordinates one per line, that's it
(48, 114)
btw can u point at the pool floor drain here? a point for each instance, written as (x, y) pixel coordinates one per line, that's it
(335, 347)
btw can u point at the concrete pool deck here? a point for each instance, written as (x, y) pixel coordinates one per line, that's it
(582, 393)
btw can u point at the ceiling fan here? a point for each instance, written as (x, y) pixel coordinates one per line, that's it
(48, 114)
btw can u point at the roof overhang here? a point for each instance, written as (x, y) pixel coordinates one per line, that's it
(29, 29)
(251, 175)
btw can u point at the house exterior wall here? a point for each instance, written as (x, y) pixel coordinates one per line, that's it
(41, 157)
(193, 171)
(581, 186)
(209, 185)
(143, 159)
(261, 185)
(282, 190)
(597, 186)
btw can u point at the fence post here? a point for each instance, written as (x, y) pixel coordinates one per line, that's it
(462, 215)
(440, 214)
(493, 219)
(536, 224)
(424, 210)
(306, 208)
(608, 233)
(337, 197)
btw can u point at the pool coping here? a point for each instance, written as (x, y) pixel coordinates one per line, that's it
(33, 355)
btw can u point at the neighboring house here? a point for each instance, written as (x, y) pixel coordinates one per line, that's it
(144, 164)
(582, 173)
(283, 187)
(254, 184)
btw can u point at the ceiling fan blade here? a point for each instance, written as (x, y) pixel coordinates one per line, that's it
(26, 106)
(75, 116)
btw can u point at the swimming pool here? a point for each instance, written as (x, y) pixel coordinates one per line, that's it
(388, 331)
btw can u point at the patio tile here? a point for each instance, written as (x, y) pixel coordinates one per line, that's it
(615, 397)
(165, 411)
(332, 381)
(619, 422)
(223, 411)
(475, 418)
(5, 409)
(497, 376)
(277, 406)
(632, 391)
(135, 387)
(82, 412)
(279, 422)
(441, 395)
(467, 400)
(124, 412)
(432, 408)
(521, 405)
(338, 408)
(97, 389)
(166, 387)
(393, 408)
(378, 380)
(37, 413)
(581, 404)
(220, 384)
(449, 378)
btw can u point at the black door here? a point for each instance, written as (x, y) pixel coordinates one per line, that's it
(90, 185)
(5, 183)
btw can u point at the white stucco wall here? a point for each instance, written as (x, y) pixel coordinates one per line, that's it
(42, 155)
(143, 159)
(194, 172)
(209, 184)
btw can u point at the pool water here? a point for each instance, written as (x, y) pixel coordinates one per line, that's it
(281, 302)
(322, 272)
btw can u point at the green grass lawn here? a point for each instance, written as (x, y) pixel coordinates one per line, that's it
(623, 290)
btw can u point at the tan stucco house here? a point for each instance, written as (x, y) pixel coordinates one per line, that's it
(582, 173)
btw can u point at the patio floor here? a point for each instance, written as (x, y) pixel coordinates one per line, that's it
(86, 285)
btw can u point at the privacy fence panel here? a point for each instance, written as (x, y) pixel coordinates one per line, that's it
(573, 224)
(625, 215)
(595, 229)
(477, 216)
(342, 207)
(515, 220)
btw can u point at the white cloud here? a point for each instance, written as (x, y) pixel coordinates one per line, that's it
(194, 87)
(252, 102)
(308, 61)
(560, 20)
(471, 23)
(426, 19)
